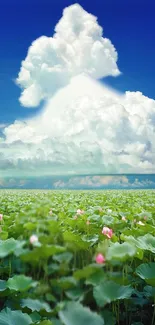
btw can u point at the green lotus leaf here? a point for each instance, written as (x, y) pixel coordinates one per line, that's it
(3, 285)
(87, 271)
(149, 291)
(43, 252)
(146, 272)
(63, 258)
(9, 317)
(146, 242)
(35, 305)
(121, 252)
(109, 291)
(76, 314)
(8, 247)
(20, 283)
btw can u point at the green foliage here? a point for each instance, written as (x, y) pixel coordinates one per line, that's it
(20, 283)
(9, 317)
(57, 280)
(147, 272)
(109, 291)
(3, 286)
(74, 314)
(121, 252)
(35, 305)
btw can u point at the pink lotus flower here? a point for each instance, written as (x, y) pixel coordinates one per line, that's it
(87, 222)
(100, 259)
(107, 232)
(124, 219)
(141, 223)
(79, 211)
(33, 239)
(1, 217)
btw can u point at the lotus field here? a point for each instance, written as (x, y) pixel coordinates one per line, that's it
(77, 257)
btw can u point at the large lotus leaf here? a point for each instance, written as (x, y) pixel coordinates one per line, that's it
(146, 242)
(9, 246)
(96, 277)
(20, 283)
(119, 278)
(109, 291)
(76, 314)
(94, 218)
(43, 252)
(149, 291)
(35, 317)
(9, 317)
(146, 272)
(87, 271)
(121, 252)
(91, 240)
(64, 282)
(74, 241)
(75, 294)
(3, 286)
(144, 214)
(35, 305)
(63, 258)
(108, 220)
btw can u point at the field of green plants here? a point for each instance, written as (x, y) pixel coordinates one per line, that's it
(77, 257)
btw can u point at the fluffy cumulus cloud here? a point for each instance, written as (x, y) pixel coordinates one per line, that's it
(84, 127)
(81, 182)
(76, 47)
(107, 133)
(99, 182)
(93, 182)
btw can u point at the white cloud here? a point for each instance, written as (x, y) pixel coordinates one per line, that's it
(76, 47)
(99, 132)
(97, 182)
(84, 127)
(93, 182)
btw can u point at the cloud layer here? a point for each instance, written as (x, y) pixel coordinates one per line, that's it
(84, 128)
(111, 181)
(103, 133)
(76, 47)
(81, 182)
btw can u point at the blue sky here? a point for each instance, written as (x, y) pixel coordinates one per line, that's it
(129, 25)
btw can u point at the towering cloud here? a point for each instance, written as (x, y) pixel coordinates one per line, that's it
(76, 47)
(84, 127)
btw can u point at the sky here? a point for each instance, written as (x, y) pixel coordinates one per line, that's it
(56, 127)
(129, 24)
